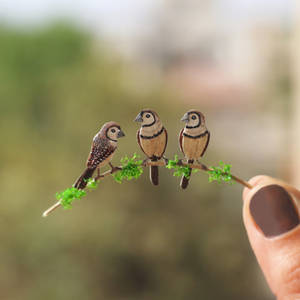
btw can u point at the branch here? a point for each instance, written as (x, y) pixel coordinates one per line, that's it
(221, 172)
(206, 169)
(97, 178)
(132, 168)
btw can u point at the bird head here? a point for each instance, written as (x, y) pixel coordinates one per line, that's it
(112, 131)
(147, 117)
(193, 119)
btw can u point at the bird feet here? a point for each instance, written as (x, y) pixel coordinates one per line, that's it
(98, 174)
(163, 161)
(114, 169)
(204, 167)
(180, 162)
(145, 161)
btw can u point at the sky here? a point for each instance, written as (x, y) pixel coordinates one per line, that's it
(111, 16)
(125, 17)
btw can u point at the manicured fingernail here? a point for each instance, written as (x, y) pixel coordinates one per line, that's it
(273, 210)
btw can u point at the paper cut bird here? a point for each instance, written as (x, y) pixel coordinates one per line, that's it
(152, 138)
(103, 148)
(193, 140)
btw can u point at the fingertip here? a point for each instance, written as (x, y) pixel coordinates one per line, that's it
(259, 181)
(255, 181)
(271, 218)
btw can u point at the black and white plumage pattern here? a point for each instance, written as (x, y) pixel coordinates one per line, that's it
(101, 152)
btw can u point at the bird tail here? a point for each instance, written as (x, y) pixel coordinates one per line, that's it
(81, 182)
(184, 180)
(154, 174)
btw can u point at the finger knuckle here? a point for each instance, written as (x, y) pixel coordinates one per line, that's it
(290, 277)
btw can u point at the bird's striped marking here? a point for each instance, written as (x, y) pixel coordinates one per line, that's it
(195, 136)
(152, 136)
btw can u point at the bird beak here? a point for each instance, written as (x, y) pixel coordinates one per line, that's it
(121, 134)
(185, 118)
(138, 118)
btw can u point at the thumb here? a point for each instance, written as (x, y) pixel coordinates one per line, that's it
(271, 217)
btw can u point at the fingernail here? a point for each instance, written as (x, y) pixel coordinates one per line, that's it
(273, 210)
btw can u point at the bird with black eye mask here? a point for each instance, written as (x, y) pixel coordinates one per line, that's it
(193, 140)
(152, 138)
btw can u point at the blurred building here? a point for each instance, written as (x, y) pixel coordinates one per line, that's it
(202, 57)
(295, 144)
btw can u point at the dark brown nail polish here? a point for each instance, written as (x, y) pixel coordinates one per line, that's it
(273, 210)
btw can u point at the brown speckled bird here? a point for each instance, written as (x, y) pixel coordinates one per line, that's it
(193, 139)
(103, 147)
(152, 138)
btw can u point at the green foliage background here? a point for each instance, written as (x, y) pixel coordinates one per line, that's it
(129, 241)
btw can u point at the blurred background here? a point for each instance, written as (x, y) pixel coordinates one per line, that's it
(66, 67)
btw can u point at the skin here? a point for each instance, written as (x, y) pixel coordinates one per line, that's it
(278, 257)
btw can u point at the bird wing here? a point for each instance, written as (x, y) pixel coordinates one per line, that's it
(166, 133)
(180, 140)
(139, 140)
(101, 150)
(207, 142)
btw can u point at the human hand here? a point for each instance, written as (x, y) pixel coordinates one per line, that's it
(271, 217)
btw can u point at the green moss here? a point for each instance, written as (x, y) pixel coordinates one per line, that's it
(131, 168)
(92, 184)
(220, 173)
(179, 170)
(69, 195)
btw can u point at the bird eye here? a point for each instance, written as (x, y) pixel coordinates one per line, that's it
(148, 116)
(194, 117)
(113, 130)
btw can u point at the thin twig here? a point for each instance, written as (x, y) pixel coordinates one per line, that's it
(147, 163)
(206, 169)
(202, 167)
(107, 173)
(51, 209)
(97, 178)
(242, 182)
